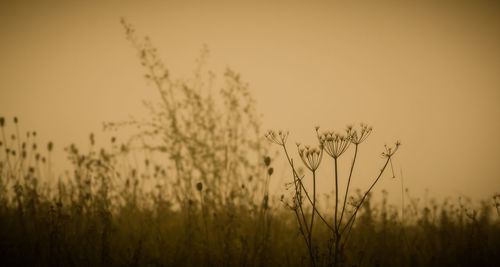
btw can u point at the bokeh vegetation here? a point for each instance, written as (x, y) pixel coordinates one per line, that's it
(190, 188)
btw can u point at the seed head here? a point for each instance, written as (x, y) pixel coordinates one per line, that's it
(15, 120)
(277, 138)
(2, 121)
(390, 151)
(311, 156)
(199, 186)
(335, 144)
(359, 136)
(270, 171)
(50, 145)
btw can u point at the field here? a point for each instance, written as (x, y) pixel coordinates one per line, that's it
(191, 188)
(88, 222)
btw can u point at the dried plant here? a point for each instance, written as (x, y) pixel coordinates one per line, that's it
(333, 144)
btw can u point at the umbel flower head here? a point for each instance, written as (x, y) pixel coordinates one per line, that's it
(389, 151)
(335, 144)
(277, 138)
(310, 156)
(359, 136)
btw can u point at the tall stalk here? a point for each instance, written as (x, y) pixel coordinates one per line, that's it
(335, 145)
(349, 182)
(314, 207)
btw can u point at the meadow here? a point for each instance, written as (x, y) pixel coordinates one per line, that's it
(191, 188)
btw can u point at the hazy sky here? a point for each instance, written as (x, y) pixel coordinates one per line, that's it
(424, 72)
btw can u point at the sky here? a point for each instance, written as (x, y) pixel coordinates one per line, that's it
(422, 72)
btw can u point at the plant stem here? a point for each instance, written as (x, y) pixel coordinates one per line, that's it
(348, 183)
(336, 196)
(337, 225)
(299, 180)
(365, 195)
(314, 206)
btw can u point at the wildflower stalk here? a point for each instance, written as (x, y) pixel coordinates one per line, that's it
(349, 181)
(334, 144)
(337, 224)
(18, 136)
(299, 181)
(313, 205)
(336, 197)
(280, 139)
(358, 206)
(298, 194)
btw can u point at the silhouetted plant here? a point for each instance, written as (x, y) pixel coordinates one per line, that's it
(334, 144)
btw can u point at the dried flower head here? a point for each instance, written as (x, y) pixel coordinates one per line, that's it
(335, 144)
(199, 186)
(390, 151)
(359, 136)
(310, 156)
(277, 138)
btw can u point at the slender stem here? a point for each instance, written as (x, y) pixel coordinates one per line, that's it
(346, 236)
(402, 201)
(337, 225)
(348, 183)
(298, 195)
(18, 140)
(365, 195)
(299, 180)
(314, 205)
(313, 263)
(203, 215)
(298, 189)
(336, 196)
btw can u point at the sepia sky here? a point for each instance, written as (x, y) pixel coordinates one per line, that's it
(423, 72)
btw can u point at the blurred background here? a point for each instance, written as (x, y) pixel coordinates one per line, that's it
(424, 73)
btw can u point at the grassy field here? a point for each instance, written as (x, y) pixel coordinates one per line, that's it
(88, 221)
(191, 188)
